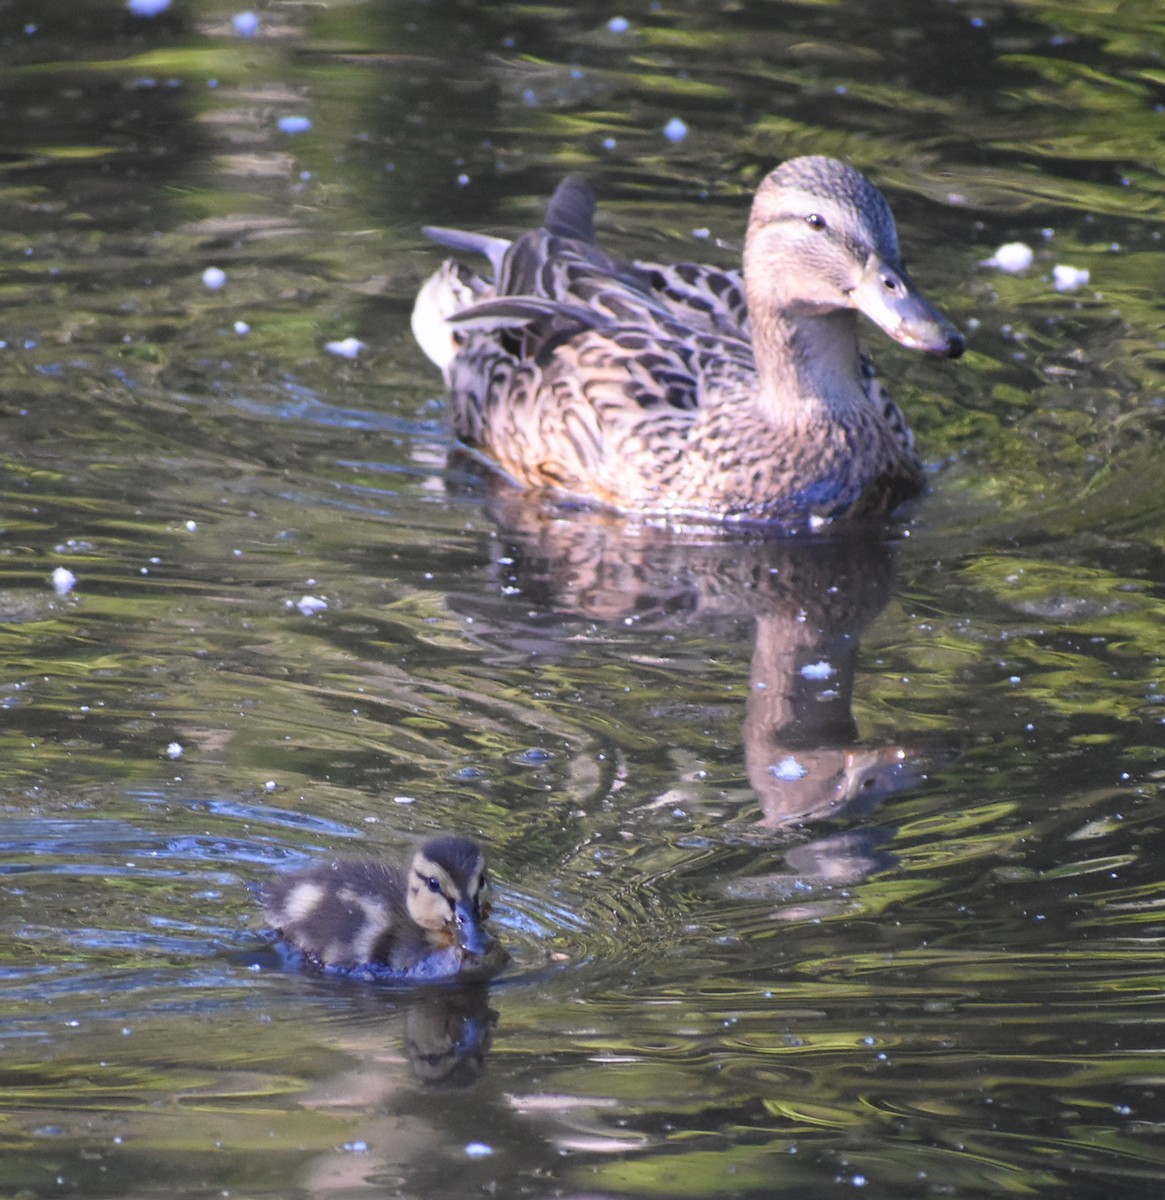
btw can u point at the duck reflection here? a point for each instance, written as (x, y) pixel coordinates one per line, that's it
(402, 1130)
(447, 1034)
(448, 1027)
(810, 599)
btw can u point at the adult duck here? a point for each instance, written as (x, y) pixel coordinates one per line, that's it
(687, 390)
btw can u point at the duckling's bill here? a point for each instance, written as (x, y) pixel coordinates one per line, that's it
(470, 935)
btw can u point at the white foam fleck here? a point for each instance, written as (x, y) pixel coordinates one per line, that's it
(1011, 257)
(63, 581)
(1067, 279)
(348, 347)
(817, 670)
(788, 769)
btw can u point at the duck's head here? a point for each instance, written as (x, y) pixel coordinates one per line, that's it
(448, 893)
(821, 239)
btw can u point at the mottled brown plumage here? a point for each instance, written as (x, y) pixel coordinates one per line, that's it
(427, 922)
(685, 389)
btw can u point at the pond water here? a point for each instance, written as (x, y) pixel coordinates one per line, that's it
(828, 867)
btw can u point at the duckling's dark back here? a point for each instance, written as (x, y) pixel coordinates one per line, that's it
(337, 912)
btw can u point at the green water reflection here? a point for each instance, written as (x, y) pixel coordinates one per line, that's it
(827, 867)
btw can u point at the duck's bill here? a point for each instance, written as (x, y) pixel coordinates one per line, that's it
(469, 933)
(890, 299)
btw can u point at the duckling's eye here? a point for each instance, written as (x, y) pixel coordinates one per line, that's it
(434, 884)
(815, 221)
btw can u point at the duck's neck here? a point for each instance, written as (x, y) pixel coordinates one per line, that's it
(809, 367)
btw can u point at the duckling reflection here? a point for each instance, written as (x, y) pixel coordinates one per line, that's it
(368, 918)
(402, 1098)
(448, 1033)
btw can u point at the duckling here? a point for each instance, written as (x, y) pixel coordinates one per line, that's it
(686, 390)
(425, 923)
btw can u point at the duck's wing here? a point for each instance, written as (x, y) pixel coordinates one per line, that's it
(570, 217)
(515, 312)
(568, 262)
(576, 361)
(558, 271)
(707, 297)
(597, 337)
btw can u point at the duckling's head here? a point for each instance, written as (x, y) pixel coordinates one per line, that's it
(821, 238)
(448, 893)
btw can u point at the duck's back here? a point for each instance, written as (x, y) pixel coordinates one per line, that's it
(586, 373)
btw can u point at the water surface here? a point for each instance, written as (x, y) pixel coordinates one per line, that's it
(828, 865)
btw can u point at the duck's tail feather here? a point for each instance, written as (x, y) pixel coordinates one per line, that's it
(571, 211)
(443, 295)
(493, 248)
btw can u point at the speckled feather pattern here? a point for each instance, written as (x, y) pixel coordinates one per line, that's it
(647, 387)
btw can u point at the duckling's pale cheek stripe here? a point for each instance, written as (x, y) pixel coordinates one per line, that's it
(301, 901)
(375, 922)
(433, 912)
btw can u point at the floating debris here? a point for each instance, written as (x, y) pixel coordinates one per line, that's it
(349, 347)
(63, 581)
(1011, 257)
(789, 769)
(675, 130)
(817, 670)
(1067, 279)
(294, 124)
(214, 278)
(310, 605)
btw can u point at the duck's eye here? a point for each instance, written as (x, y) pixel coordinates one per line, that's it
(815, 221)
(434, 884)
